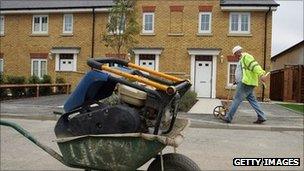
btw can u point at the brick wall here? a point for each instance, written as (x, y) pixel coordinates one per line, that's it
(175, 57)
(18, 42)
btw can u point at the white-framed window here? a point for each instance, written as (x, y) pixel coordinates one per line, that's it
(39, 67)
(40, 24)
(148, 22)
(205, 22)
(239, 22)
(68, 23)
(1, 25)
(1, 65)
(120, 24)
(231, 73)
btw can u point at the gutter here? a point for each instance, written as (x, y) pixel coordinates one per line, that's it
(93, 33)
(50, 8)
(265, 47)
(54, 10)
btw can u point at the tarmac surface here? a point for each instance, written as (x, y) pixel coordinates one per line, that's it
(211, 149)
(211, 143)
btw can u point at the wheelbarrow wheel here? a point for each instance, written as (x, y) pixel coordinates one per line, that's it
(174, 162)
(219, 110)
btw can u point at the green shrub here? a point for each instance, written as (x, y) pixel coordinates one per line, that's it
(46, 79)
(60, 80)
(3, 92)
(33, 80)
(2, 81)
(16, 92)
(187, 101)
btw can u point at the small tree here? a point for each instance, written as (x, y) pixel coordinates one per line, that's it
(122, 27)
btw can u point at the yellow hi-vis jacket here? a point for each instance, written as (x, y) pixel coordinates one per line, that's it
(252, 71)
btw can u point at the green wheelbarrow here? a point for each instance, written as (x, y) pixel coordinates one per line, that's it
(118, 151)
(126, 135)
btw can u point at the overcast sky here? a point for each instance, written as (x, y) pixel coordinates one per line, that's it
(287, 25)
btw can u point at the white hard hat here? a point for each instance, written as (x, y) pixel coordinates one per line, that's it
(236, 48)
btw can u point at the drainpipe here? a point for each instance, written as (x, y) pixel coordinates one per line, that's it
(265, 47)
(93, 34)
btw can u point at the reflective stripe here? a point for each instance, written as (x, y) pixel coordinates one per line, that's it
(251, 63)
(254, 66)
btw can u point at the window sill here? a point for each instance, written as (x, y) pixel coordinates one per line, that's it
(64, 71)
(66, 35)
(73, 72)
(176, 34)
(239, 35)
(2, 35)
(147, 34)
(229, 87)
(204, 34)
(39, 35)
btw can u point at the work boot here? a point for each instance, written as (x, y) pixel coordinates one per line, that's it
(259, 121)
(224, 119)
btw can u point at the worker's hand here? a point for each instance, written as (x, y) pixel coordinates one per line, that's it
(263, 78)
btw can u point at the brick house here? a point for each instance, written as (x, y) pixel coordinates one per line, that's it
(190, 39)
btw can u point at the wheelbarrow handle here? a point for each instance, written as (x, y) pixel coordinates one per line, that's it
(98, 62)
(26, 134)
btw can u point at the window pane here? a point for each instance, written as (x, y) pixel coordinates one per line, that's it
(68, 22)
(232, 73)
(44, 24)
(1, 24)
(121, 24)
(244, 21)
(205, 22)
(234, 22)
(1, 65)
(36, 24)
(148, 22)
(43, 68)
(35, 68)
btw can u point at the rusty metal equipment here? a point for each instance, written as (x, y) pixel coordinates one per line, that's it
(221, 111)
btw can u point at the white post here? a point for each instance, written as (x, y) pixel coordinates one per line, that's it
(213, 76)
(192, 70)
(57, 62)
(157, 62)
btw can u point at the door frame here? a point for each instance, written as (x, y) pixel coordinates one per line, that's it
(152, 51)
(214, 52)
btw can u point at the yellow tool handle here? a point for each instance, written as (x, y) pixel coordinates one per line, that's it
(166, 76)
(167, 89)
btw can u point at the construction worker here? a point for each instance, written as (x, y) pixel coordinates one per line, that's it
(247, 76)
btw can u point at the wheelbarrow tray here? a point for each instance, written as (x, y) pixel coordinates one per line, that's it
(118, 151)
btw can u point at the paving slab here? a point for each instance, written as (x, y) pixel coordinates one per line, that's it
(205, 106)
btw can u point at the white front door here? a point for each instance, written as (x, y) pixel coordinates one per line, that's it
(66, 64)
(147, 63)
(203, 70)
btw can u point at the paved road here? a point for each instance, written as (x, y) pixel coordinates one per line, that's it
(44, 105)
(211, 149)
(279, 118)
